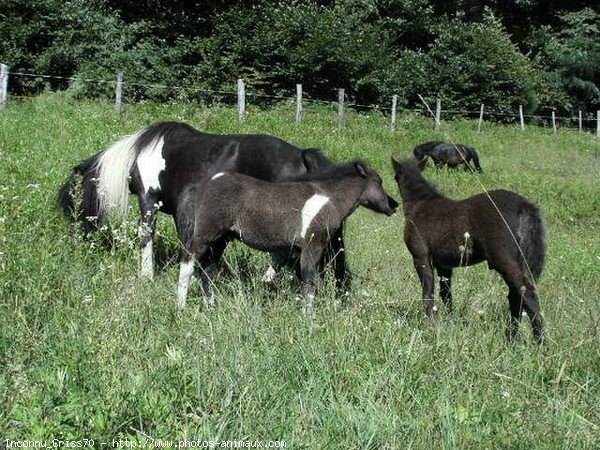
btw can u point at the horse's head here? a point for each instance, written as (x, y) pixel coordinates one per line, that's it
(411, 184)
(374, 196)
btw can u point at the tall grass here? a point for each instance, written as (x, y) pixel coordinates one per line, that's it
(88, 350)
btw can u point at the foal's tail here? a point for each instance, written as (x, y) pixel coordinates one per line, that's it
(100, 185)
(185, 216)
(531, 234)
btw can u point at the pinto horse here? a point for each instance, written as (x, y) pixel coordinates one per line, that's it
(158, 162)
(451, 155)
(294, 219)
(499, 227)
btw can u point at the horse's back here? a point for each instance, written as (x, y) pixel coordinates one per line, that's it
(495, 216)
(264, 215)
(190, 155)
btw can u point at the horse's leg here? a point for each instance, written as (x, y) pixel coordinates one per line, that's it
(277, 262)
(309, 273)
(148, 211)
(186, 270)
(425, 272)
(209, 266)
(521, 296)
(445, 286)
(531, 304)
(514, 301)
(336, 253)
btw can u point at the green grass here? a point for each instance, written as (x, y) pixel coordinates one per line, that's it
(87, 350)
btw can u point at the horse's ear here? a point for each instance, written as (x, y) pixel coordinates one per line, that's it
(361, 168)
(396, 165)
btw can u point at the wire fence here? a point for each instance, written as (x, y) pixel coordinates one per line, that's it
(582, 121)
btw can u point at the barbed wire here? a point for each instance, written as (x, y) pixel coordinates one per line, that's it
(288, 98)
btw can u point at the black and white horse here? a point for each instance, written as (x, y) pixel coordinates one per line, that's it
(451, 155)
(158, 162)
(294, 219)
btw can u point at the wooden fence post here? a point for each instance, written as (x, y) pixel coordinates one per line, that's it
(580, 122)
(393, 121)
(119, 94)
(480, 119)
(3, 85)
(298, 103)
(554, 121)
(521, 118)
(340, 123)
(438, 115)
(241, 87)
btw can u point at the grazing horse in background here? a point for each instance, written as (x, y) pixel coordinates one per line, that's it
(447, 154)
(158, 162)
(296, 220)
(499, 227)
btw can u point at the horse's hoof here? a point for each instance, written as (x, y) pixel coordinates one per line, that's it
(269, 275)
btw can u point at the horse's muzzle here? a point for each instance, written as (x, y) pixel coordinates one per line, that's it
(393, 204)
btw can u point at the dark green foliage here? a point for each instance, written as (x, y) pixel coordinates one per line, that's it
(540, 54)
(467, 64)
(571, 57)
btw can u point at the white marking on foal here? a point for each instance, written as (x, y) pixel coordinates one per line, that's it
(217, 175)
(150, 163)
(186, 270)
(310, 210)
(269, 275)
(147, 269)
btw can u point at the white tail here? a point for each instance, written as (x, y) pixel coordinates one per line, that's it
(113, 167)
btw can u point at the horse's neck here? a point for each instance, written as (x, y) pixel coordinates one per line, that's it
(410, 201)
(410, 206)
(345, 193)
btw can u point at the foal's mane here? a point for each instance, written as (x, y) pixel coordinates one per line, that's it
(414, 185)
(334, 171)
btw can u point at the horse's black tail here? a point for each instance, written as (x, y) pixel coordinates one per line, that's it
(185, 216)
(531, 235)
(475, 157)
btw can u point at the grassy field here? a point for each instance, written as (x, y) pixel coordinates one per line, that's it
(87, 350)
